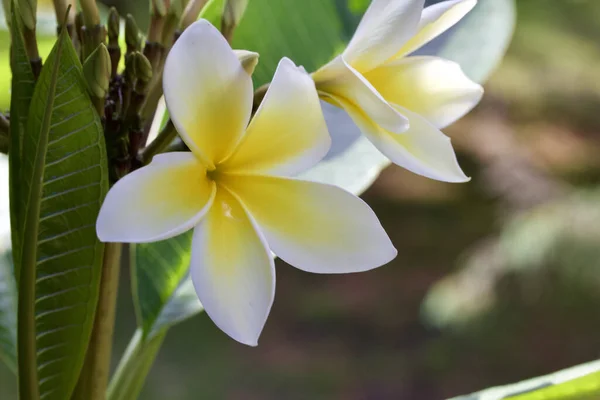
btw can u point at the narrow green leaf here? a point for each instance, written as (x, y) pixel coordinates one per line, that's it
(8, 312)
(23, 84)
(577, 383)
(64, 171)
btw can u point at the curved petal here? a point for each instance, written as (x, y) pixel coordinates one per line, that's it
(208, 93)
(423, 149)
(435, 20)
(434, 88)
(339, 80)
(314, 227)
(288, 133)
(232, 270)
(164, 199)
(384, 28)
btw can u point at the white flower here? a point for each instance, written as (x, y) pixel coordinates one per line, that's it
(401, 102)
(231, 188)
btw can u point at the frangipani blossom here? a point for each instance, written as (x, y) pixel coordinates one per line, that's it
(401, 102)
(233, 189)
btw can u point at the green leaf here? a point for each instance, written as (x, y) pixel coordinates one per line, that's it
(23, 84)
(64, 171)
(8, 312)
(577, 383)
(131, 372)
(157, 272)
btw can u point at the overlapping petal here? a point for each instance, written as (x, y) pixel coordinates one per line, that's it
(208, 93)
(384, 28)
(315, 227)
(288, 134)
(232, 270)
(340, 80)
(166, 198)
(435, 20)
(435, 88)
(422, 149)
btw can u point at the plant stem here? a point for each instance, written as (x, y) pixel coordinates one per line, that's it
(94, 376)
(134, 366)
(32, 50)
(158, 145)
(4, 134)
(3, 143)
(259, 95)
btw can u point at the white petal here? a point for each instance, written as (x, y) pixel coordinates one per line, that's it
(208, 93)
(315, 227)
(423, 149)
(435, 20)
(339, 79)
(166, 198)
(384, 29)
(288, 133)
(232, 270)
(434, 88)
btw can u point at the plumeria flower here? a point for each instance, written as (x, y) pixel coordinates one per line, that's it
(400, 102)
(233, 187)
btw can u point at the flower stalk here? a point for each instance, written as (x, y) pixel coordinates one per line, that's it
(114, 50)
(92, 32)
(60, 8)
(94, 376)
(159, 144)
(4, 134)
(27, 10)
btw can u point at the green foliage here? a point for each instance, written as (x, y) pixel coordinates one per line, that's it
(65, 179)
(577, 383)
(157, 271)
(8, 312)
(23, 84)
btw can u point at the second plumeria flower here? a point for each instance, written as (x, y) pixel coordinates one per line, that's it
(233, 190)
(400, 103)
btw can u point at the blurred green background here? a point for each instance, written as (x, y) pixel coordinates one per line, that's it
(496, 280)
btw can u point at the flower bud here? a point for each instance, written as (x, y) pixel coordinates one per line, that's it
(158, 7)
(248, 59)
(113, 25)
(6, 7)
(132, 33)
(142, 69)
(91, 16)
(27, 10)
(232, 14)
(96, 70)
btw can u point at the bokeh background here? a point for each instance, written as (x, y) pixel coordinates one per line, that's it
(496, 280)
